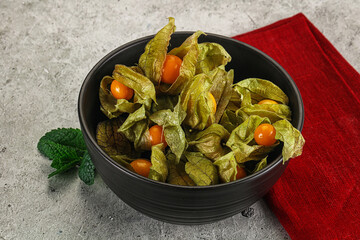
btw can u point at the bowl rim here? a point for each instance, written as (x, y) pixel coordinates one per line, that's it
(85, 128)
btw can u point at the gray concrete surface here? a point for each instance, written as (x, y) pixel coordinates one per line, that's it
(48, 47)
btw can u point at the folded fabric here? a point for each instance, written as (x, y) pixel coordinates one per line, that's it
(318, 196)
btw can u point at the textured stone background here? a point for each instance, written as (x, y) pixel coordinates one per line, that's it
(48, 47)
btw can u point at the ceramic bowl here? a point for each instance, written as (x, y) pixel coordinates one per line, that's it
(186, 204)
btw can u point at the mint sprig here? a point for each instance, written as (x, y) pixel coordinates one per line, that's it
(67, 150)
(87, 169)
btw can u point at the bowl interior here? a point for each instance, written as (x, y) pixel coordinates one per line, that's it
(246, 61)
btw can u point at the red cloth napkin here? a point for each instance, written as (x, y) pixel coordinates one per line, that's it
(318, 196)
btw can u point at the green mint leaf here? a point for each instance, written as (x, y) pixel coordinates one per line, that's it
(66, 148)
(65, 167)
(71, 137)
(60, 154)
(87, 169)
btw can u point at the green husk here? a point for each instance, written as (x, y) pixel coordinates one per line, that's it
(274, 112)
(212, 55)
(152, 60)
(135, 125)
(159, 169)
(144, 89)
(111, 106)
(230, 120)
(195, 100)
(200, 169)
(227, 167)
(173, 132)
(177, 174)
(291, 137)
(260, 165)
(164, 102)
(221, 89)
(241, 140)
(263, 89)
(210, 141)
(188, 52)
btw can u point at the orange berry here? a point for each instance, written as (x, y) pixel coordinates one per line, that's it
(141, 167)
(241, 173)
(265, 134)
(267, 101)
(171, 69)
(157, 135)
(213, 103)
(120, 91)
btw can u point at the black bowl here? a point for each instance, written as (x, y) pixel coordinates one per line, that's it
(186, 204)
